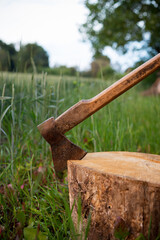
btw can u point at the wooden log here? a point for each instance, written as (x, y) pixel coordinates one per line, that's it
(117, 189)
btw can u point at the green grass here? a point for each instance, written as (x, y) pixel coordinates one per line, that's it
(32, 200)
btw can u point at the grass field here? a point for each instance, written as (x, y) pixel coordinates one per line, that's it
(32, 201)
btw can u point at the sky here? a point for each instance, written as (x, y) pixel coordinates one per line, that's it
(54, 25)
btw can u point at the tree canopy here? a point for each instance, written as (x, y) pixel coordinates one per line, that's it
(99, 64)
(8, 55)
(30, 56)
(119, 23)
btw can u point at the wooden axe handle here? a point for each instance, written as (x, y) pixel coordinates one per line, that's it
(85, 108)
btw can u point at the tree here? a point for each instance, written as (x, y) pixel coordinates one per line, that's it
(120, 23)
(32, 56)
(8, 56)
(98, 64)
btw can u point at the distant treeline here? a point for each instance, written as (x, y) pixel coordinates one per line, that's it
(34, 58)
(27, 58)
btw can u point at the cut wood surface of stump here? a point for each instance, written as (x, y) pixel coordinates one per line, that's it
(117, 189)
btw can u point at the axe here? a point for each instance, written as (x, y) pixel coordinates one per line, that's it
(53, 129)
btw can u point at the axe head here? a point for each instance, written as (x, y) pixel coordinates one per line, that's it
(62, 148)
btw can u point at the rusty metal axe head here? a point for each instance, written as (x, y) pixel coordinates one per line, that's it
(62, 148)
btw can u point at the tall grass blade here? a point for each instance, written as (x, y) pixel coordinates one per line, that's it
(12, 128)
(88, 226)
(4, 113)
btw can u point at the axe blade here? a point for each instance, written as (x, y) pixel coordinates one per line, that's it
(65, 150)
(62, 148)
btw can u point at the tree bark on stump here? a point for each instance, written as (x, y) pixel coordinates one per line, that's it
(118, 189)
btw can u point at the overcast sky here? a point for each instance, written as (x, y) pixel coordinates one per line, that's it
(54, 25)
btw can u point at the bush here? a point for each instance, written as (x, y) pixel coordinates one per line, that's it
(106, 72)
(62, 70)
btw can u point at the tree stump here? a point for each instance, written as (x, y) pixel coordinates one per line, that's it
(119, 190)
